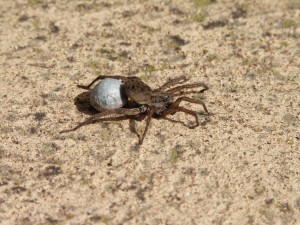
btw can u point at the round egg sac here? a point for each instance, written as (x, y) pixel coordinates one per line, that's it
(108, 94)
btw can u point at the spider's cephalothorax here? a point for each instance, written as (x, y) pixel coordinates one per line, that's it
(160, 101)
(149, 102)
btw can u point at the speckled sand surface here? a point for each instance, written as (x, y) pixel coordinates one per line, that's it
(242, 166)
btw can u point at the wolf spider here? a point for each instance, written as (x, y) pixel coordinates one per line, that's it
(158, 103)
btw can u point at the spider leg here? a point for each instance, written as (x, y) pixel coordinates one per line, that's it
(114, 114)
(187, 86)
(132, 120)
(149, 117)
(174, 121)
(185, 93)
(187, 99)
(175, 108)
(132, 128)
(100, 78)
(171, 82)
(192, 113)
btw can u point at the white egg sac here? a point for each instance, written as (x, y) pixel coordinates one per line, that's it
(108, 94)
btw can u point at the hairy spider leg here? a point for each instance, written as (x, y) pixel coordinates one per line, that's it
(185, 93)
(132, 120)
(100, 78)
(171, 82)
(187, 99)
(192, 113)
(188, 86)
(173, 121)
(133, 129)
(174, 107)
(113, 113)
(181, 92)
(149, 117)
(172, 110)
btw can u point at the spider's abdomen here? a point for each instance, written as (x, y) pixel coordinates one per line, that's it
(138, 91)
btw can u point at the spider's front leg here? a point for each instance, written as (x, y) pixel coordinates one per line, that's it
(179, 89)
(171, 82)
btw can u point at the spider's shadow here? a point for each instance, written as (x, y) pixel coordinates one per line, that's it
(82, 102)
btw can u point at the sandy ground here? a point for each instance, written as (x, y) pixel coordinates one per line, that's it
(241, 166)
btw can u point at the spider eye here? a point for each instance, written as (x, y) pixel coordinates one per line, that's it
(168, 98)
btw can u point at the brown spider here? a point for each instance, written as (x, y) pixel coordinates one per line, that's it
(150, 102)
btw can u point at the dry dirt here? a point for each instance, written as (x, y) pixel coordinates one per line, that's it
(240, 167)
